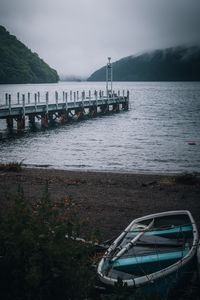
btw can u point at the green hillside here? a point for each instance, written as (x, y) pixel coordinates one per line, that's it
(171, 64)
(18, 64)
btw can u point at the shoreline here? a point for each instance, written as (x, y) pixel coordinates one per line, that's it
(107, 202)
(134, 172)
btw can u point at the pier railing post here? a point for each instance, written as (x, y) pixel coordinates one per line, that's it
(35, 97)
(95, 95)
(77, 93)
(38, 95)
(23, 105)
(63, 96)
(74, 98)
(18, 98)
(47, 102)
(66, 104)
(89, 97)
(29, 98)
(127, 94)
(56, 95)
(82, 96)
(70, 95)
(9, 103)
(6, 98)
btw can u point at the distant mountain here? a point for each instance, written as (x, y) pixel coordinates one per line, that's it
(18, 64)
(171, 64)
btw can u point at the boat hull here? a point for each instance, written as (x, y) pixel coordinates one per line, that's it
(161, 271)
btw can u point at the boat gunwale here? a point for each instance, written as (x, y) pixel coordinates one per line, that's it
(142, 280)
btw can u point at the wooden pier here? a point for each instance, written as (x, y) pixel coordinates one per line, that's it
(72, 107)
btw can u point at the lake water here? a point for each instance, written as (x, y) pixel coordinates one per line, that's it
(154, 136)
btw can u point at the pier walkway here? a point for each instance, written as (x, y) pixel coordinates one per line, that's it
(72, 107)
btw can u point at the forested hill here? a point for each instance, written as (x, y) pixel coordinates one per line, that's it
(18, 64)
(171, 64)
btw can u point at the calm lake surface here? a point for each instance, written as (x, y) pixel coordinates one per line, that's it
(154, 136)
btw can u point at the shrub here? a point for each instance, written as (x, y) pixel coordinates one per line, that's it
(36, 260)
(12, 166)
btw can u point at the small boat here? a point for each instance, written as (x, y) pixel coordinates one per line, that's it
(153, 253)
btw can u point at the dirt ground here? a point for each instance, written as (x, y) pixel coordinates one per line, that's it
(107, 202)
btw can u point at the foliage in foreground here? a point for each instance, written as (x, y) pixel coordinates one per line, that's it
(36, 260)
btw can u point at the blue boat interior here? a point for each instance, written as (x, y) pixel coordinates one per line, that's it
(167, 242)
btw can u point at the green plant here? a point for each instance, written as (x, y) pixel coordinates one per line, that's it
(11, 166)
(36, 260)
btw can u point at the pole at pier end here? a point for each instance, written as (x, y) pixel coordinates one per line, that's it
(109, 78)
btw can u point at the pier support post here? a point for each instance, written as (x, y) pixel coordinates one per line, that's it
(115, 107)
(51, 120)
(64, 117)
(104, 109)
(20, 123)
(93, 111)
(80, 113)
(9, 121)
(44, 121)
(32, 120)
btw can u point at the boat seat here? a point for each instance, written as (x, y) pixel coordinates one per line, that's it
(172, 232)
(148, 263)
(160, 241)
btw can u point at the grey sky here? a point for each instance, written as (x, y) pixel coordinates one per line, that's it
(76, 36)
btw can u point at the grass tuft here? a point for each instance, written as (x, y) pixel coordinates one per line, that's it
(11, 166)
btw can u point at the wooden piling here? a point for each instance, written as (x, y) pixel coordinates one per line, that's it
(32, 120)
(44, 120)
(20, 123)
(9, 121)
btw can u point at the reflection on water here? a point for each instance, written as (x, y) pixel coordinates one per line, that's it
(154, 136)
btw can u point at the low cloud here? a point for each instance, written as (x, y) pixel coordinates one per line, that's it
(76, 36)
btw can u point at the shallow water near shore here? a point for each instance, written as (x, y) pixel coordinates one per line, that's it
(159, 134)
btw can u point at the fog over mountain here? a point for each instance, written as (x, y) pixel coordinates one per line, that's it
(76, 36)
(171, 64)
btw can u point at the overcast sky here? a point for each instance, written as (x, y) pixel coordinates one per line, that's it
(76, 36)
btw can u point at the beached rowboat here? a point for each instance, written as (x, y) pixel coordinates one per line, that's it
(153, 251)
